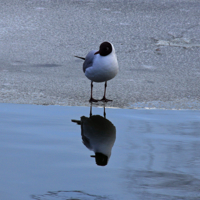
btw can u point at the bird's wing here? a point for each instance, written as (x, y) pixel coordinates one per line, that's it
(88, 60)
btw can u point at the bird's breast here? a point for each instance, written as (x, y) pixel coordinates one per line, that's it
(103, 69)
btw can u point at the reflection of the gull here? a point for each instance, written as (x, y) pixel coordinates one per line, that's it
(98, 135)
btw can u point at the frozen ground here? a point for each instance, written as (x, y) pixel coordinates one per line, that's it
(157, 43)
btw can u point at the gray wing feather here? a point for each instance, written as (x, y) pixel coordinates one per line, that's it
(89, 60)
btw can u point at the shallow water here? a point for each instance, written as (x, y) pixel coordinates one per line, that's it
(154, 153)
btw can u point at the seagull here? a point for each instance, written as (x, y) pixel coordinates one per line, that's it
(100, 66)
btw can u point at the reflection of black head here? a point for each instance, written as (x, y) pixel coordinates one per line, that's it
(101, 159)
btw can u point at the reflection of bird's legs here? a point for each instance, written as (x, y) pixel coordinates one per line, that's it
(104, 96)
(91, 98)
(104, 111)
(91, 109)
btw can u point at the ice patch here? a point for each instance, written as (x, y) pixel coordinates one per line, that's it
(117, 12)
(39, 8)
(179, 104)
(178, 42)
(148, 67)
(107, 9)
(124, 24)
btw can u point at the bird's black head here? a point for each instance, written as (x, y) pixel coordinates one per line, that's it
(104, 49)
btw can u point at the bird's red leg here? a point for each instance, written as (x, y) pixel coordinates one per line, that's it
(91, 98)
(104, 96)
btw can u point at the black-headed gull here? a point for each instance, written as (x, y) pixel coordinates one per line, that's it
(101, 66)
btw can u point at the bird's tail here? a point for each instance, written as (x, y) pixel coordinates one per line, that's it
(80, 57)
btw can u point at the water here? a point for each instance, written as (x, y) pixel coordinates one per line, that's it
(147, 154)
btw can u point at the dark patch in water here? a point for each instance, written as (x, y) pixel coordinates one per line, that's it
(75, 194)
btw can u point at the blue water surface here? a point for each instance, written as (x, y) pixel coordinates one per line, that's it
(46, 153)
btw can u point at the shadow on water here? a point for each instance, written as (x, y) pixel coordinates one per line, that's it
(98, 134)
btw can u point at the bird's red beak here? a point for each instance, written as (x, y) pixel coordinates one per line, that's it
(96, 53)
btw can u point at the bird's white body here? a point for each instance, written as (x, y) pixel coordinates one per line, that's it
(103, 68)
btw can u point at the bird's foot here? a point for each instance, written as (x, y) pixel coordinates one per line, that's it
(93, 100)
(105, 100)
